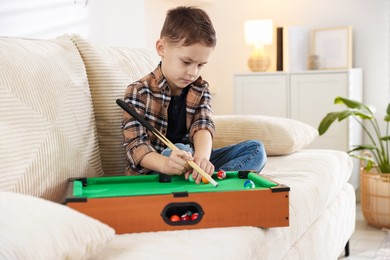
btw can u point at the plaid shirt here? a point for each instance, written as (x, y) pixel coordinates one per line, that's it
(150, 97)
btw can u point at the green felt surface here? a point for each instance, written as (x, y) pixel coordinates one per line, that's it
(118, 186)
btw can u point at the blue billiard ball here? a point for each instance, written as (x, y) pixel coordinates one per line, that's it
(249, 184)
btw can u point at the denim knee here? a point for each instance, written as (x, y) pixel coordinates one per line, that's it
(259, 157)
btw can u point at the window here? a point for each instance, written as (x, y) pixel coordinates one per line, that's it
(43, 19)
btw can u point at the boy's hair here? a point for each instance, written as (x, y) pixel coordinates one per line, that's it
(190, 24)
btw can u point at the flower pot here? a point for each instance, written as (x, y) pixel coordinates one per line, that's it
(375, 198)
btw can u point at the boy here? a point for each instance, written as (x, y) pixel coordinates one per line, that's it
(175, 100)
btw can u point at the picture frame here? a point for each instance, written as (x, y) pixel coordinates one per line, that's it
(333, 46)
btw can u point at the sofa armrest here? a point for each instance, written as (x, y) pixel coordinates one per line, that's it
(279, 135)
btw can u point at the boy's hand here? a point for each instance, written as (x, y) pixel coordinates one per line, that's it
(205, 165)
(176, 163)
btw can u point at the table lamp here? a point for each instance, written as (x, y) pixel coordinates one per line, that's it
(258, 33)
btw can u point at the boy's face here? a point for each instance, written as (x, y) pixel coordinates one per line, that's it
(181, 65)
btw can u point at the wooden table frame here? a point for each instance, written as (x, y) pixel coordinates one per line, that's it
(250, 207)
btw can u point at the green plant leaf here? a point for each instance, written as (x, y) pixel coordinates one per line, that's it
(385, 168)
(369, 165)
(385, 138)
(344, 114)
(363, 147)
(356, 108)
(362, 114)
(362, 157)
(388, 110)
(327, 121)
(369, 161)
(353, 104)
(349, 102)
(359, 113)
(379, 150)
(387, 116)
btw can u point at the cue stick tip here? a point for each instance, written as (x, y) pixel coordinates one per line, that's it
(212, 181)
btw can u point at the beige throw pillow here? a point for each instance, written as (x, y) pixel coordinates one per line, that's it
(279, 135)
(47, 128)
(34, 228)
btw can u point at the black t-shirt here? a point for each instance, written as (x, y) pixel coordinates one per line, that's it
(177, 130)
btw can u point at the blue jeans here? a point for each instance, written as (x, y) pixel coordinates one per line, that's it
(247, 155)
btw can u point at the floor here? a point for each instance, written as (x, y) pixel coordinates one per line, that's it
(365, 241)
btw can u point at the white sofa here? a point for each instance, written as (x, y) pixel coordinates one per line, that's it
(58, 119)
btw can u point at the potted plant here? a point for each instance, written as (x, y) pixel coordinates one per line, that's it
(374, 157)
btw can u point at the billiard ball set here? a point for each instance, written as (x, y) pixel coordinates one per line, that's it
(151, 203)
(176, 214)
(221, 175)
(187, 216)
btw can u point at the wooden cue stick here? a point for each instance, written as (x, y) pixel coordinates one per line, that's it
(165, 140)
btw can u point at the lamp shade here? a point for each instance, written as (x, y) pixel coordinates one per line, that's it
(258, 32)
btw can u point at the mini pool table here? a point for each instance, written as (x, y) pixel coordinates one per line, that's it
(149, 202)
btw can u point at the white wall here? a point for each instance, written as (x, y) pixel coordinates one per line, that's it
(117, 22)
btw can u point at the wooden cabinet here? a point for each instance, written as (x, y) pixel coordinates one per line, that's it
(306, 96)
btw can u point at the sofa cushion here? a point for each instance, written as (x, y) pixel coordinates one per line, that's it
(279, 135)
(34, 228)
(47, 124)
(110, 70)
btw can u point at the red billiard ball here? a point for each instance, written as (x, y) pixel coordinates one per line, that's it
(185, 217)
(174, 218)
(194, 216)
(221, 174)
